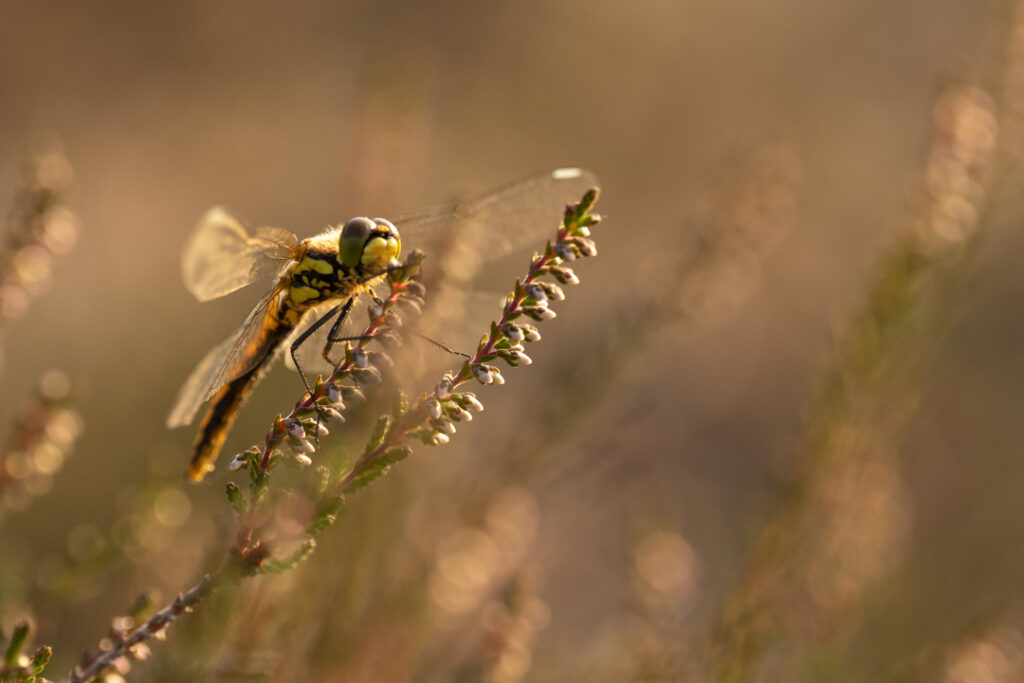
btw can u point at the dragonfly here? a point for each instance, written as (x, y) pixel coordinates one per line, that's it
(318, 279)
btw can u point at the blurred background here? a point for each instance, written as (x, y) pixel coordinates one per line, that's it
(671, 491)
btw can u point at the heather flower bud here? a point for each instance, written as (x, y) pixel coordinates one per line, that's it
(294, 428)
(586, 247)
(381, 361)
(536, 292)
(564, 275)
(301, 446)
(513, 332)
(433, 407)
(334, 413)
(520, 357)
(352, 393)
(470, 401)
(444, 426)
(538, 313)
(553, 291)
(482, 374)
(444, 387)
(565, 252)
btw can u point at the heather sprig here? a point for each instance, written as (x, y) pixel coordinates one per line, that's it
(824, 544)
(128, 642)
(18, 666)
(43, 436)
(39, 227)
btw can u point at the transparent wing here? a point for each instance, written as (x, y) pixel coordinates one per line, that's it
(488, 226)
(235, 355)
(221, 256)
(461, 237)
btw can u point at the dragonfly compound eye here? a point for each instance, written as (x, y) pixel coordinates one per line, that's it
(382, 247)
(353, 238)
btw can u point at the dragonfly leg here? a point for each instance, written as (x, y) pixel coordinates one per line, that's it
(344, 309)
(443, 346)
(332, 334)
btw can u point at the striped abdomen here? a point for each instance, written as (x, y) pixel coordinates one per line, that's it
(224, 405)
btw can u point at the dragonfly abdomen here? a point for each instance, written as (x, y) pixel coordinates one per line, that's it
(224, 405)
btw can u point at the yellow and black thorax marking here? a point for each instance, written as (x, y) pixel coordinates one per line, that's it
(316, 278)
(337, 264)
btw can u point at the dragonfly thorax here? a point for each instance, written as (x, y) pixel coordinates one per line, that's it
(336, 264)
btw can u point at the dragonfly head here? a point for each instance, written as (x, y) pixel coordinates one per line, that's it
(371, 244)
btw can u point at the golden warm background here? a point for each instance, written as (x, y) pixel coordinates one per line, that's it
(654, 498)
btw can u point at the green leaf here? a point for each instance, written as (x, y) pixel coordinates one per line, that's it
(236, 498)
(576, 213)
(327, 514)
(40, 658)
(518, 291)
(401, 405)
(378, 468)
(281, 565)
(320, 480)
(380, 430)
(369, 474)
(394, 455)
(583, 208)
(259, 482)
(17, 643)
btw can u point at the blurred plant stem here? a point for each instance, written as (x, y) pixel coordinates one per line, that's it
(130, 644)
(839, 526)
(43, 437)
(39, 228)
